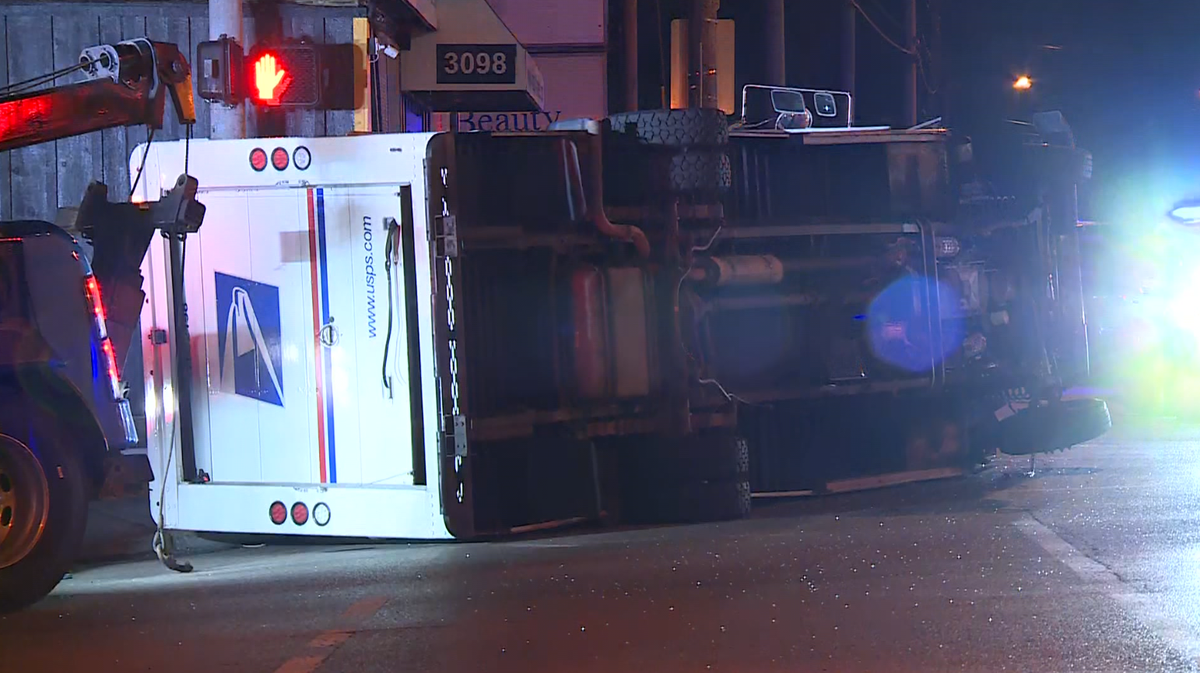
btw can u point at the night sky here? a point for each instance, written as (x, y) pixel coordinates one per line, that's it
(1126, 73)
(1127, 77)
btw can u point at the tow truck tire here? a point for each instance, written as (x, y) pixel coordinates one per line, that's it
(674, 128)
(27, 577)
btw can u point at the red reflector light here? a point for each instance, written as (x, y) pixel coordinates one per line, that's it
(258, 159)
(300, 513)
(278, 513)
(279, 158)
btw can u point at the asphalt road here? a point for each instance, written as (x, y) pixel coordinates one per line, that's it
(1092, 565)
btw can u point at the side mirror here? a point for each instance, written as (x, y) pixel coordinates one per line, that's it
(1186, 212)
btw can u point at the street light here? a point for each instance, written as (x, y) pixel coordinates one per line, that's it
(1022, 83)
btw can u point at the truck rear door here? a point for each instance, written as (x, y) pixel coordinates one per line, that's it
(307, 383)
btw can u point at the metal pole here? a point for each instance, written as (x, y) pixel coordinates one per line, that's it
(702, 53)
(775, 43)
(631, 55)
(225, 18)
(183, 362)
(850, 52)
(910, 75)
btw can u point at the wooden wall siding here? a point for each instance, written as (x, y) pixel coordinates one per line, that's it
(40, 37)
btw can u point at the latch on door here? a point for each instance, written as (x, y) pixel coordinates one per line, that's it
(328, 335)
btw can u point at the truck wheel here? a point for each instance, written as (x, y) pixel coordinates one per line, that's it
(674, 128)
(700, 172)
(711, 456)
(1054, 427)
(43, 511)
(696, 503)
(715, 456)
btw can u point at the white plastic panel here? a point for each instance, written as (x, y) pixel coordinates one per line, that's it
(378, 410)
(396, 512)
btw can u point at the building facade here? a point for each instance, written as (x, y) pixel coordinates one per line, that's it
(569, 41)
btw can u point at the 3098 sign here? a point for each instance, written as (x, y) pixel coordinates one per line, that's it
(477, 63)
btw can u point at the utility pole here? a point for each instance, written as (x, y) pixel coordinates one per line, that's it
(702, 53)
(631, 55)
(225, 18)
(776, 40)
(911, 99)
(934, 67)
(850, 52)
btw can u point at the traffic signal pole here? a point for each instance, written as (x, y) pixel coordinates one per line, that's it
(225, 18)
(911, 97)
(702, 53)
(776, 44)
(850, 52)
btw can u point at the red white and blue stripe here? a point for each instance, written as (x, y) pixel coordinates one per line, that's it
(322, 357)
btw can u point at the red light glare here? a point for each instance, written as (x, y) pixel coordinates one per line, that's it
(300, 513)
(279, 158)
(270, 80)
(96, 304)
(22, 118)
(258, 159)
(93, 289)
(114, 376)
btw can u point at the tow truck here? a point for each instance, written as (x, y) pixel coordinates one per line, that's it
(68, 314)
(647, 317)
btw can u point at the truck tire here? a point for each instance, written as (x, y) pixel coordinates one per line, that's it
(695, 503)
(1055, 427)
(674, 128)
(712, 456)
(43, 484)
(693, 171)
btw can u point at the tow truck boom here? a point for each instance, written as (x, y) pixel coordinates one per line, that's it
(126, 86)
(76, 317)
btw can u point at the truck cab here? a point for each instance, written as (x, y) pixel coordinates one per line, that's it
(68, 310)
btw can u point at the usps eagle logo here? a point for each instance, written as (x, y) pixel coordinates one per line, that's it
(249, 343)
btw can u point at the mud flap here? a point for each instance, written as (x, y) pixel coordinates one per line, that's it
(1054, 427)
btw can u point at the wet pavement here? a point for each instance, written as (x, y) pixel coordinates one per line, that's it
(1092, 565)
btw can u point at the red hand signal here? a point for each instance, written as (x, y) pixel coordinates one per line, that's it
(269, 79)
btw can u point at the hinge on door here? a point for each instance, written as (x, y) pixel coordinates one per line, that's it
(460, 435)
(450, 233)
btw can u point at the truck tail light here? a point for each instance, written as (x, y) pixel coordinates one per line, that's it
(96, 304)
(108, 352)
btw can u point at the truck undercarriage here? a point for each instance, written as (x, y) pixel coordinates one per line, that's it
(657, 304)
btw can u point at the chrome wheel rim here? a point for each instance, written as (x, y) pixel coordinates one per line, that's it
(24, 501)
